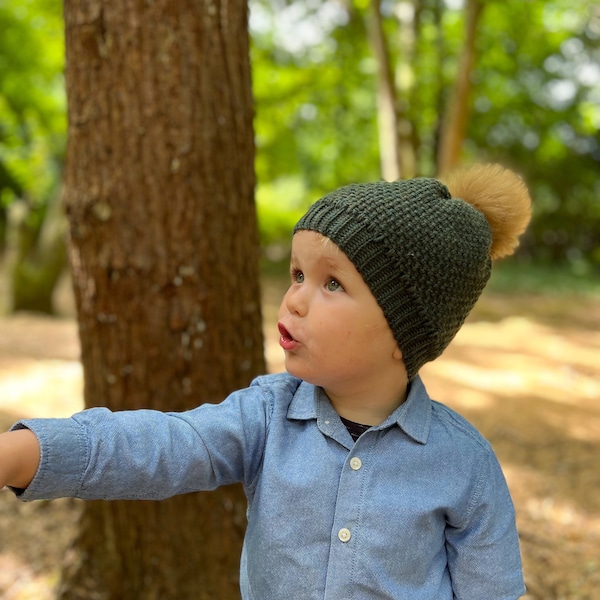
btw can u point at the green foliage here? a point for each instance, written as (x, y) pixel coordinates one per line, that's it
(32, 99)
(32, 142)
(537, 109)
(313, 86)
(280, 204)
(535, 102)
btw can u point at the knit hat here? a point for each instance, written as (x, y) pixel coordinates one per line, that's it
(426, 254)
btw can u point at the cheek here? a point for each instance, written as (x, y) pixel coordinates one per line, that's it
(352, 336)
(339, 325)
(282, 309)
(377, 334)
(376, 328)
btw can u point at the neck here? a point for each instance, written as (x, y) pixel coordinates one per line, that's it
(370, 408)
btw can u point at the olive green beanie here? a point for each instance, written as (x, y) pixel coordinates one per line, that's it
(424, 255)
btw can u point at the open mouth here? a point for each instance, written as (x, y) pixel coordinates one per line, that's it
(286, 339)
(284, 333)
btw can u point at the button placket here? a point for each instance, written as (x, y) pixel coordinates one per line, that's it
(344, 534)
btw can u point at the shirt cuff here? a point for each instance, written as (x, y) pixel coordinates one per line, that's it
(64, 456)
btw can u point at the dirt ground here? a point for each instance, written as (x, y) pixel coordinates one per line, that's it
(524, 370)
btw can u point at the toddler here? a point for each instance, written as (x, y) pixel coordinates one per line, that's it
(359, 485)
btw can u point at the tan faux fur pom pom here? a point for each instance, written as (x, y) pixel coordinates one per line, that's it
(501, 195)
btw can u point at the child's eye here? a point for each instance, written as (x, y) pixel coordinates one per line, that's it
(333, 285)
(297, 276)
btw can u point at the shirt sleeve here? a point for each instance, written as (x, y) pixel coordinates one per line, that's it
(146, 454)
(483, 552)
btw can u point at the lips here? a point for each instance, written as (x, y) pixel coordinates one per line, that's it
(286, 340)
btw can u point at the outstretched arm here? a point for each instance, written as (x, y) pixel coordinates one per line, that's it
(19, 458)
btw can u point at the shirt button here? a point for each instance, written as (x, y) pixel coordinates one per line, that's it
(355, 463)
(344, 535)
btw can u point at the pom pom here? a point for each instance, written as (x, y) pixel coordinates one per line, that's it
(501, 195)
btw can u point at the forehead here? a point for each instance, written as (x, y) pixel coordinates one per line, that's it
(308, 241)
(312, 249)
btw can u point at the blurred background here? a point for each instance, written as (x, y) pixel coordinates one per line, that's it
(328, 77)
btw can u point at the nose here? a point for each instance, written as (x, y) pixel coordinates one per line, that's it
(295, 300)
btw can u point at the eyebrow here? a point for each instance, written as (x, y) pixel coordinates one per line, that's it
(332, 263)
(328, 256)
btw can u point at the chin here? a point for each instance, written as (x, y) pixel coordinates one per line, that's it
(300, 373)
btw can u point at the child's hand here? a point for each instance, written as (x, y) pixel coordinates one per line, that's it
(19, 458)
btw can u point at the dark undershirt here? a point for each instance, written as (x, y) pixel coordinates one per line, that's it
(354, 429)
(357, 429)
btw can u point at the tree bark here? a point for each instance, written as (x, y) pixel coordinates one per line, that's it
(159, 193)
(456, 115)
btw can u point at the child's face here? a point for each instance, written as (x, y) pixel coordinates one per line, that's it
(333, 332)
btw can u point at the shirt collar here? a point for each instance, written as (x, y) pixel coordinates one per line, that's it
(413, 416)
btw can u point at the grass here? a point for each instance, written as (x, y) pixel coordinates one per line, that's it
(543, 279)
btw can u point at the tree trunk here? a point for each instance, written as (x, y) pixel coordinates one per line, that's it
(159, 192)
(35, 257)
(456, 115)
(396, 131)
(387, 104)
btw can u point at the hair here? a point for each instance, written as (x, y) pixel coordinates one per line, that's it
(501, 195)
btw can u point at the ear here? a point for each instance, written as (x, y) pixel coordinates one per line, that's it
(397, 353)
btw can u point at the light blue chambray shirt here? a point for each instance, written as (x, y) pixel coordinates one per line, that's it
(416, 509)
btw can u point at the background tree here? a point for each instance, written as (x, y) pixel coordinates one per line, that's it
(393, 150)
(456, 115)
(32, 134)
(158, 189)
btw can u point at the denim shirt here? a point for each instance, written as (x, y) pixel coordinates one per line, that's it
(416, 509)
